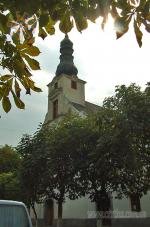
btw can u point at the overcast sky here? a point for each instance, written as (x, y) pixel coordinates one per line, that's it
(101, 60)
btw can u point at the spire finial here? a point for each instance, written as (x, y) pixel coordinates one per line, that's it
(66, 65)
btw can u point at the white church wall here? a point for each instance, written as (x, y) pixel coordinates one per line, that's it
(65, 94)
(145, 204)
(120, 206)
(78, 208)
(83, 208)
(39, 210)
(74, 95)
(123, 207)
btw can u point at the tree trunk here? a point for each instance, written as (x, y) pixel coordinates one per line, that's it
(29, 209)
(60, 211)
(35, 215)
(103, 210)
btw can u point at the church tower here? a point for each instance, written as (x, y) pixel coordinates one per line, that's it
(66, 92)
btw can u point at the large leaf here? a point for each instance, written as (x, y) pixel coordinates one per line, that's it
(16, 37)
(37, 89)
(43, 20)
(81, 21)
(5, 77)
(42, 33)
(146, 10)
(6, 104)
(138, 33)
(49, 27)
(66, 24)
(31, 50)
(19, 67)
(1, 93)
(4, 23)
(17, 89)
(18, 101)
(121, 25)
(34, 65)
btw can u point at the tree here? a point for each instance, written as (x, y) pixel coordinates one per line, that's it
(10, 186)
(129, 142)
(19, 22)
(119, 161)
(132, 137)
(68, 149)
(32, 170)
(52, 161)
(9, 173)
(95, 155)
(101, 170)
(9, 159)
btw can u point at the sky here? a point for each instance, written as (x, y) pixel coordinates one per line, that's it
(102, 61)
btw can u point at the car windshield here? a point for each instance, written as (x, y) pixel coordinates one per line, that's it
(13, 216)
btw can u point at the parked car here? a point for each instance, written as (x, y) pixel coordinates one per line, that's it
(14, 214)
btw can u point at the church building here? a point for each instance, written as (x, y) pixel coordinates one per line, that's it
(66, 92)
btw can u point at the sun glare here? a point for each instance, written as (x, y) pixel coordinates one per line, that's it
(109, 27)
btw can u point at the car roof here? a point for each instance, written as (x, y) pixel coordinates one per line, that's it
(11, 202)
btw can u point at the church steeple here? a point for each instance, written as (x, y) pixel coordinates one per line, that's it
(66, 65)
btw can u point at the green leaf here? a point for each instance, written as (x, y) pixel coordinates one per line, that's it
(10, 82)
(114, 12)
(17, 89)
(43, 20)
(147, 27)
(6, 104)
(1, 93)
(66, 24)
(42, 33)
(104, 6)
(138, 33)
(50, 27)
(5, 77)
(19, 67)
(121, 26)
(29, 84)
(37, 89)
(16, 37)
(4, 23)
(31, 50)
(146, 10)
(18, 101)
(32, 21)
(92, 14)
(81, 22)
(34, 65)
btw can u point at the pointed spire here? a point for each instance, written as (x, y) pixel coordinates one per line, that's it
(66, 65)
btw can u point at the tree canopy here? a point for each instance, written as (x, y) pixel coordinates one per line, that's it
(52, 158)
(131, 137)
(9, 178)
(21, 22)
(95, 155)
(9, 159)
